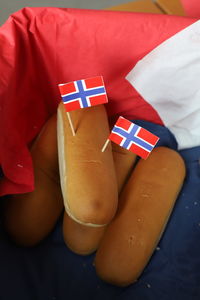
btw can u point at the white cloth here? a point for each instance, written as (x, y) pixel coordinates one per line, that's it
(169, 79)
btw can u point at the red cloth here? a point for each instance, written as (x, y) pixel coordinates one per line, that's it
(42, 47)
(191, 7)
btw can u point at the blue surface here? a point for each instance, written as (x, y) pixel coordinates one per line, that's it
(52, 271)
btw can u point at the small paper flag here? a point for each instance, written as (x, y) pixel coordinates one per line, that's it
(83, 93)
(133, 137)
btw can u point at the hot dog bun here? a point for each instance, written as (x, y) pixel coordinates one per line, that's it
(124, 161)
(30, 217)
(83, 239)
(144, 208)
(87, 175)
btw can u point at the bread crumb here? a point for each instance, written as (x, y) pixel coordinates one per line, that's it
(148, 285)
(157, 248)
(139, 220)
(195, 203)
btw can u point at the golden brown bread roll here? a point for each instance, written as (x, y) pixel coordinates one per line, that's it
(87, 175)
(83, 239)
(144, 208)
(31, 216)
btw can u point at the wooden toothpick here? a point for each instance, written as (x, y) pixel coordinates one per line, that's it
(70, 123)
(105, 145)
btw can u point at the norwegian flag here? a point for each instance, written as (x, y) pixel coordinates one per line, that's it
(133, 137)
(83, 93)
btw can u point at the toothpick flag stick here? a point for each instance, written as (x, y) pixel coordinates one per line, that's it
(83, 93)
(132, 137)
(105, 145)
(70, 123)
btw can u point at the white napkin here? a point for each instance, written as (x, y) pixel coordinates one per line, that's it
(169, 79)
